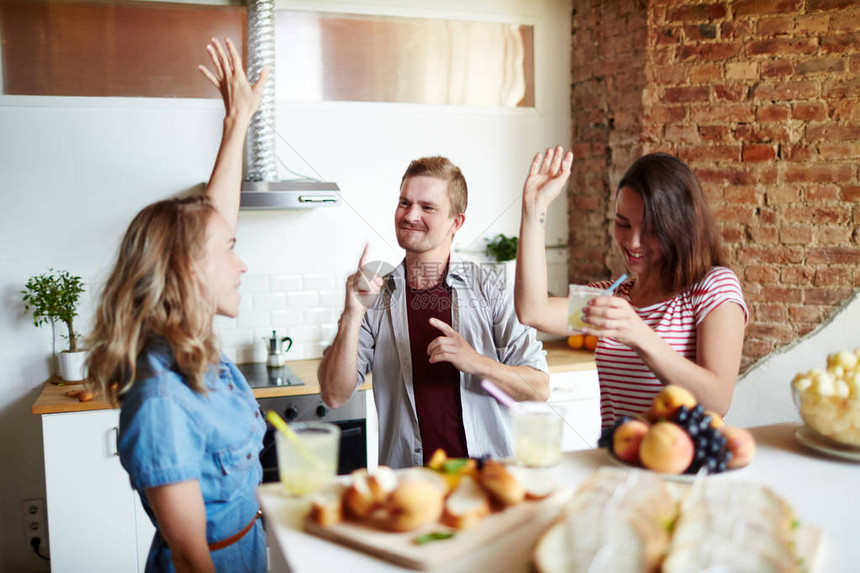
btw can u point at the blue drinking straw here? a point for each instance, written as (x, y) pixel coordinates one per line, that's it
(614, 285)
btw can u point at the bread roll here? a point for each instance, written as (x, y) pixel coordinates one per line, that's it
(467, 505)
(359, 498)
(536, 484)
(414, 503)
(382, 483)
(327, 505)
(503, 487)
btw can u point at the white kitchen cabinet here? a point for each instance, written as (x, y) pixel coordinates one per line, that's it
(95, 520)
(578, 392)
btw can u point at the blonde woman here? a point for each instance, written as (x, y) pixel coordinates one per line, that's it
(190, 428)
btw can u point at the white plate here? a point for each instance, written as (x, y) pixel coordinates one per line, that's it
(811, 439)
(687, 478)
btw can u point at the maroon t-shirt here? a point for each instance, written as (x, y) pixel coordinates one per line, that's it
(436, 386)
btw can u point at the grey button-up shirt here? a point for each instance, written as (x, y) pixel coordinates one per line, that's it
(483, 314)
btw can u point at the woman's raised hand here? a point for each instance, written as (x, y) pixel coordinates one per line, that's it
(241, 98)
(547, 176)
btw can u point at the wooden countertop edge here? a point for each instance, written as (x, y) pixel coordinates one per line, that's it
(52, 399)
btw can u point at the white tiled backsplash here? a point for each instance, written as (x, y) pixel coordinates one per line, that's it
(303, 307)
(306, 307)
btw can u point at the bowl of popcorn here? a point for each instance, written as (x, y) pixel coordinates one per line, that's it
(829, 399)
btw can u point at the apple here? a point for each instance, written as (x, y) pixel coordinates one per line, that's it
(627, 438)
(741, 445)
(667, 448)
(669, 399)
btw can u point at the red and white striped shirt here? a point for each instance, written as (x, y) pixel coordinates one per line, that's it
(627, 385)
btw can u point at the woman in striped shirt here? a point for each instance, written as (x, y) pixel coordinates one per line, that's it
(679, 320)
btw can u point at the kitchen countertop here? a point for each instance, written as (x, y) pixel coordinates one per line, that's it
(819, 487)
(53, 399)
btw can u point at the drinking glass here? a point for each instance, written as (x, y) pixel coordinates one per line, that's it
(578, 296)
(309, 461)
(537, 434)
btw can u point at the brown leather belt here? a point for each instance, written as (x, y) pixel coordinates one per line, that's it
(228, 541)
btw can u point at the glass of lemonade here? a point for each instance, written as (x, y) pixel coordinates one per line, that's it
(307, 464)
(578, 296)
(537, 434)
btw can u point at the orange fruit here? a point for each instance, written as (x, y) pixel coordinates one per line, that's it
(591, 342)
(576, 341)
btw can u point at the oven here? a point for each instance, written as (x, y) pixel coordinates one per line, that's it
(351, 417)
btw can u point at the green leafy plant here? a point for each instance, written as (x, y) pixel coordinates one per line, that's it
(502, 248)
(54, 296)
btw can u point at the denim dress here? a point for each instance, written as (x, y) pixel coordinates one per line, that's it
(169, 433)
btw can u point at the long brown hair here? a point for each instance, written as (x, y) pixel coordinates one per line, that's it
(677, 216)
(153, 292)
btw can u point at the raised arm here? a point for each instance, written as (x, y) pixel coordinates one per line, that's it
(547, 177)
(241, 100)
(337, 371)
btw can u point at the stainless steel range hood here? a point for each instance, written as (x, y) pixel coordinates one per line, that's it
(290, 194)
(261, 188)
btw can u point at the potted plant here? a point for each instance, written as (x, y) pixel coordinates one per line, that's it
(51, 297)
(504, 250)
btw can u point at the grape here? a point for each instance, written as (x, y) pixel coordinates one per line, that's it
(605, 440)
(709, 444)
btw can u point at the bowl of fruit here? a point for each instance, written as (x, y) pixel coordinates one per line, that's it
(677, 436)
(828, 400)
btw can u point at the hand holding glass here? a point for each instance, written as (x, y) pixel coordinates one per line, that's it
(577, 299)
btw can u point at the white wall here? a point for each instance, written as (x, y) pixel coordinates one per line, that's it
(763, 394)
(73, 172)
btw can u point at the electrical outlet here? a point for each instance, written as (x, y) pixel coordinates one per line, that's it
(35, 526)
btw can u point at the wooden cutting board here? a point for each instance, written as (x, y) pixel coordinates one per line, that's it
(400, 549)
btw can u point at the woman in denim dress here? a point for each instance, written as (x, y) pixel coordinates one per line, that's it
(190, 428)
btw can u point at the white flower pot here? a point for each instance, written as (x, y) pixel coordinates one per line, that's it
(72, 368)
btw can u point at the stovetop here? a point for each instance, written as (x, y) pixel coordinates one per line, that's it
(259, 375)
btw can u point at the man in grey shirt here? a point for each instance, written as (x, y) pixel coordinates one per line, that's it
(430, 331)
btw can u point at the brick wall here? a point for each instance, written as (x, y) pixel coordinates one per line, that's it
(762, 99)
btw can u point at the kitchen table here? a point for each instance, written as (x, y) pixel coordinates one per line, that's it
(820, 487)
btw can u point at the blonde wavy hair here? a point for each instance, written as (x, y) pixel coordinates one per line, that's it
(153, 291)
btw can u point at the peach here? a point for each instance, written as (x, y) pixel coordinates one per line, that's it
(670, 399)
(667, 448)
(741, 445)
(627, 438)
